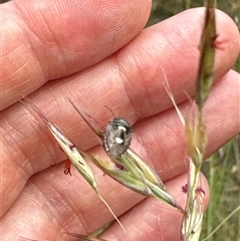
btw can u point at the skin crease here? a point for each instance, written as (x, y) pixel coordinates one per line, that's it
(53, 50)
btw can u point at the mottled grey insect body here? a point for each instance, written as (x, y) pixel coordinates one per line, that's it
(117, 137)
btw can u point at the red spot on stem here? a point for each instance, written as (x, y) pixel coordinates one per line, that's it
(67, 168)
(72, 146)
(119, 166)
(185, 188)
(218, 43)
(200, 194)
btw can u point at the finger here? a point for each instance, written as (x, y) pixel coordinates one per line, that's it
(52, 194)
(50, 39)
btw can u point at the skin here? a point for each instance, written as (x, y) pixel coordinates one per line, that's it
(98, 54)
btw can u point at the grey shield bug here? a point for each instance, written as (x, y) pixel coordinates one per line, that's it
(117, 137)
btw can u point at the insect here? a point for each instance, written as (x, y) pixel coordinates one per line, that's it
(117, 137)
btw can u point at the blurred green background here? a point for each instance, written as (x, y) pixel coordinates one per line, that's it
(223, 168)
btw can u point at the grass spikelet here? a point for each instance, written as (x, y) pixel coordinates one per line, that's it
(130, 170)
(73, 155)
(207, 51)
(196, 131)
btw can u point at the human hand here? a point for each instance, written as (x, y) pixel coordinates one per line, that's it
(96, 54)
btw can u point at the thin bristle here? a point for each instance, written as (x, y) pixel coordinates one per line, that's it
(35, 108)
(110, 210)
(83, 114)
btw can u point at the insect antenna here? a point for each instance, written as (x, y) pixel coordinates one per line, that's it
(110, 110)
